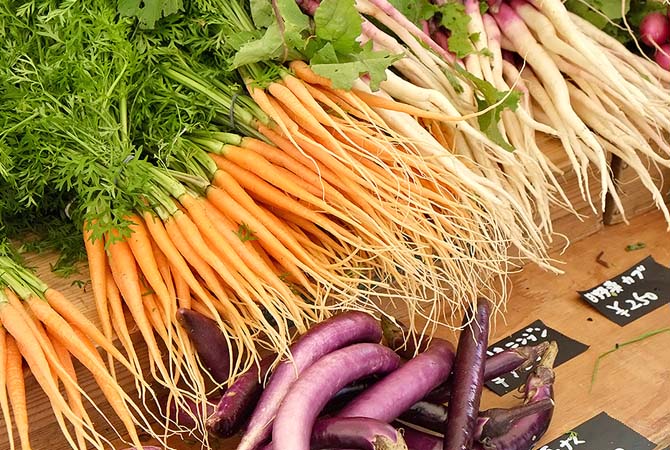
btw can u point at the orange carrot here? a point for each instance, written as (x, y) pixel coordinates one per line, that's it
(222, 203)
(24, 338)
(73, 395)
(183, 292)
(305, 73)
(97, 261)
(4, 405)
(69, 338)
(15, 385)
(124, 271)
(140, 245)
(76, 318)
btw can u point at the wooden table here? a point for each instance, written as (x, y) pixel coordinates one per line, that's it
(633, 384)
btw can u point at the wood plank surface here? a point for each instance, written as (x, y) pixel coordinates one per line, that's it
(633, 384)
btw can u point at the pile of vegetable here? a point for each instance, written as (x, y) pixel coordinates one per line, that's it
(343, 388)
(267, 164)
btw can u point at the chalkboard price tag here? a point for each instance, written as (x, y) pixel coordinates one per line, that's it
(631, 294)
(601, 432)
(531, 334)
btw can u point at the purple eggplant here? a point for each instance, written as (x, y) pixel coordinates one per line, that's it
(239, 401)
(418, 440)
(523, 434)
(209, 341)
(347, 394)
(317, 384)
(395, 393)
(189, 414)
(332, 334)
(355, 433)
(468, 380)
(492, 422)
(499, 364)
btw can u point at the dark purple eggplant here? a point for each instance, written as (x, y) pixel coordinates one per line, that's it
(399, 338)
(209, 341)
(318, 383)
(332, 334)
(190, 414)
(395, 393)
(431, 416)
(493, 422)
(523, 433)
(499, 364)
(239, 401)
(418, 440)
(347, 394)
(355, 433)
(468, 379)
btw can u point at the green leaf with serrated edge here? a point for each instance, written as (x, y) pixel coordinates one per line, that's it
(352, 66)
(338, 22)
(415, 10)
(488, 95)
(454, 18)
(261, 12)
(268, 47)
(325, 55)
(148, 12)
(295, 25)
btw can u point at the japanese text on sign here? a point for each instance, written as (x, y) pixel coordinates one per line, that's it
(631, 294)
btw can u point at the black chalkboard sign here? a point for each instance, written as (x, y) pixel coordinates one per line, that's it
(631, 294)
(601, 432)
(532, 334)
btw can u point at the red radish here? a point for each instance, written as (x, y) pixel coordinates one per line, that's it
(655, 29)
(300, 407)
(662, 56)
(332, 334)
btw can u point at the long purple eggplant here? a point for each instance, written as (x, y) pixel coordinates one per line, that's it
(355, 433)
(332, 334)
(316, 385)
(499, 364)
(190, 413)
(209, 341)
(239, 401)
(527, 430)
(418, 440)
(492, 422)
(390, 396)
(468, 380)
(399, 338)
(347, 394)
